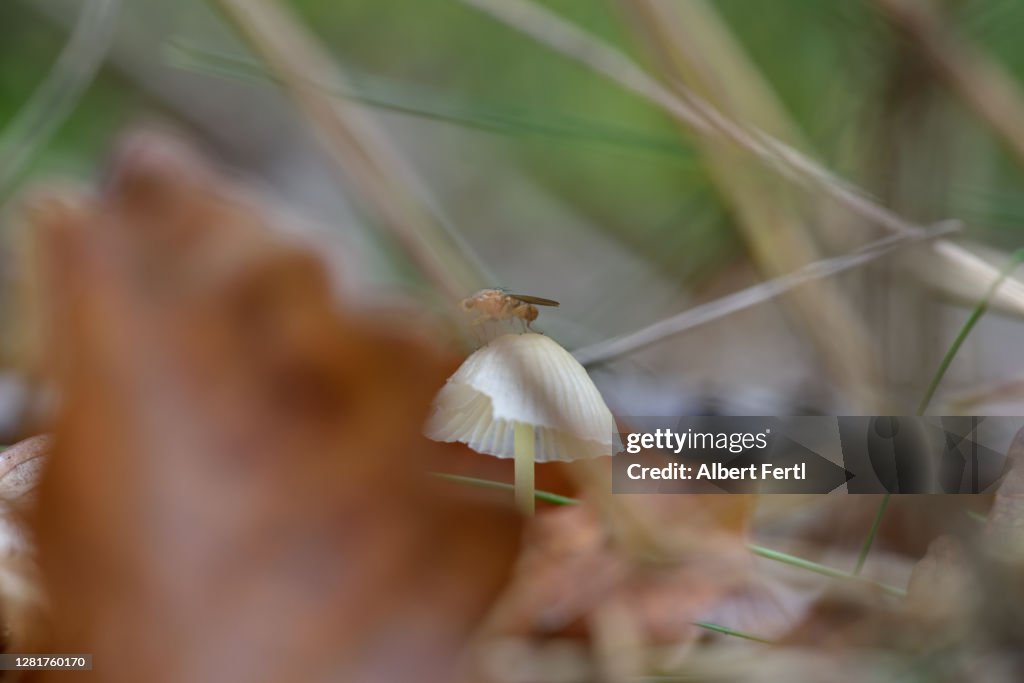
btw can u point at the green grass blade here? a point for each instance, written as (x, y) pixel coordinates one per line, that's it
(947, 360)
(767, 553)
(718, 628)
(824, 570)
(54, 99)
(431, 104)
(865, 548)
(972, 320)
(977, 516)
(500, 485)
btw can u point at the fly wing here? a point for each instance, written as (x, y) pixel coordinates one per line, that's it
(535, 300)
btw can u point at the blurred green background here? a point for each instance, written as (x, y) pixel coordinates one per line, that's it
(567, 186)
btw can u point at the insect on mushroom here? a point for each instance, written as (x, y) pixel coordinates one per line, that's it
(523, 396)
(498, 305)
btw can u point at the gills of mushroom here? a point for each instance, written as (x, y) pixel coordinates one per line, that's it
(523, 396)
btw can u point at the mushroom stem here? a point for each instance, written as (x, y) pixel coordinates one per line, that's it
(525, 449)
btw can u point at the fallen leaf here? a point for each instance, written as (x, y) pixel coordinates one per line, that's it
(1005, 525)
(576, 579)
(236, 489)
(20, 468)
(23, 610)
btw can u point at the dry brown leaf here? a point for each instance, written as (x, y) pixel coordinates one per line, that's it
(942, 587)
(235, 491)
(633, 573)
(22, 604)
(576, 579)
(23, 608)
(939, 609)
(662, 559)
(20, 468)
(666, 527)
(1005, 525)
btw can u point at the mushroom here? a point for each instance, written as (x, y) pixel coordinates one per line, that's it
(523, 396)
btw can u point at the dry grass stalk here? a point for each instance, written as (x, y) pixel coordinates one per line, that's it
(358, 148)
(949, 267)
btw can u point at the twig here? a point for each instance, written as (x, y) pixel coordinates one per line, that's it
(611, 349)
(55, 98)
(357, 147)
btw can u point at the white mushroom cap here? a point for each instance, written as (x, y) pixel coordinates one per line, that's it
(529, 379)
